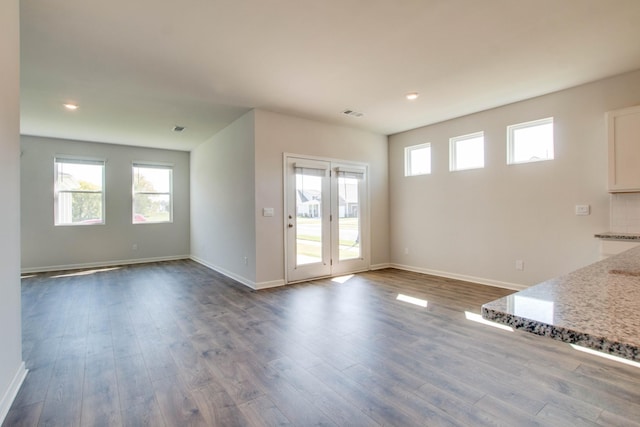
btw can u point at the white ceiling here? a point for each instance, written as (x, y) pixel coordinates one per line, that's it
(137, 68)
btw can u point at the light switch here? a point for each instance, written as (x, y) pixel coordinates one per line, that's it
(267, 211)
(583, 209)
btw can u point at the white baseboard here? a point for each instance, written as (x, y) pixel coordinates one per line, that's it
(243, 280)
(480, 280)
(12, 392)
(256, 286)
(102, 264)
(273, 283)
(249, 283)
(269, 284)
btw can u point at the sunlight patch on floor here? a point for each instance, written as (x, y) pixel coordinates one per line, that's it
(85, 272)
(412, 300)
(342, 279)
(479, 319)
(605, 355)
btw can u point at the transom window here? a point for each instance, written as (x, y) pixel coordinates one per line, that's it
(78, 193)
(417, 160)
(152, 193)
(530, 141)
(466, 152)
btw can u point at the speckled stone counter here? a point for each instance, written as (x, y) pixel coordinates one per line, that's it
(610, 235)
(597, 306)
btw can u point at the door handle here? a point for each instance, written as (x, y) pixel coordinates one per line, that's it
(290, 225)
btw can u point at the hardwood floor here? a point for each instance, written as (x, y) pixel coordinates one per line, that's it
(176, 344)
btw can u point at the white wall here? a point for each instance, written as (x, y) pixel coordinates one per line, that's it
(222, 201)
(277, 134)
(477, 223)
(47, 247)
(11, 367)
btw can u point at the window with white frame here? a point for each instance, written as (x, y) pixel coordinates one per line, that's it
(530, 141)
(417, 160)
(466, 152)
(152, 193)
(78, 191)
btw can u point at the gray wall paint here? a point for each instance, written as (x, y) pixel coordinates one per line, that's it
(46, 246)
(239, 171)
(223, 201)
(277, 134)
(477, 223)
(10, 324)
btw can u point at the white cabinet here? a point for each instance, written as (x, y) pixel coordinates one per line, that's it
(623, 129)
(614, 247)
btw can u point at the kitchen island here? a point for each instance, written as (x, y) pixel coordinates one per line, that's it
(597, 306)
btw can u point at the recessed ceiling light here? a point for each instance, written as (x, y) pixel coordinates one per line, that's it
(352, 113)
(412, 95)
(70, 106)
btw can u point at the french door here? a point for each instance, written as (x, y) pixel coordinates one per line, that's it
(326, 218)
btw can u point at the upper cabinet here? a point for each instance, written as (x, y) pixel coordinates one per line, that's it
(623, 129)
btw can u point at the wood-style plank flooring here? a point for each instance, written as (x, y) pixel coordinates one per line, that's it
(176, 344)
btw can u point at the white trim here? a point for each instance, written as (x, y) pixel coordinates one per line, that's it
(249, 283)
(479, 280)
(524, 125)
(408, 170)
(12, 391)
(331, 276)
(102, 264)
(453, 150)
(270, 284)
(338, 164)
(152, 165)
(311, 165)
(56, 191)
(379, 266)
(79, 160)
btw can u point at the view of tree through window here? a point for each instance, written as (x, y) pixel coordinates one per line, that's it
(152, 201)
(79, 196)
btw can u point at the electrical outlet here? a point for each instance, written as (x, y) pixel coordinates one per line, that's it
(519, 265)
(583, 209)
(406, 251)
(134, 246)
(246, 261)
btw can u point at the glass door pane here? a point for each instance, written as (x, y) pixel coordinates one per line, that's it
(326, 218)
(308, 218)
(348, 218)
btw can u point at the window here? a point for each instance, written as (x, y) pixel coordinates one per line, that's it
(78, 192)
(466, 152)
(530, 141)
(152, 193)
(417, 160)
(349, 182)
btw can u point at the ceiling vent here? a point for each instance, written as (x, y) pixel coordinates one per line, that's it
(352, 113)
(177, 128)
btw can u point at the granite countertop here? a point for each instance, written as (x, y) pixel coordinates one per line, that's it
(597, 306)
(612, 235)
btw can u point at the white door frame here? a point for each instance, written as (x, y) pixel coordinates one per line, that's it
(335, 266)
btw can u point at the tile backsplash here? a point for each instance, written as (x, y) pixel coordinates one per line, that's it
(625, 213)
